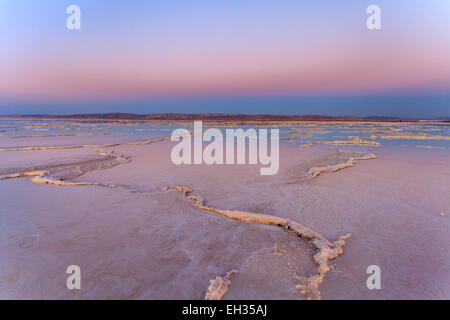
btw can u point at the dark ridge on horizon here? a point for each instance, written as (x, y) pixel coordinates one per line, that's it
(219, 117)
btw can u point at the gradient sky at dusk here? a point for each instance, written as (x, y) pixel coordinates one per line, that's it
(237, 56)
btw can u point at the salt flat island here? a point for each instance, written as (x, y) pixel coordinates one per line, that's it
(104, 195)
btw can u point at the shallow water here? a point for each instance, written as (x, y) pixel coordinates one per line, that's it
(139, 241)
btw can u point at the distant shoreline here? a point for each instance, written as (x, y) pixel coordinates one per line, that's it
(219, 117)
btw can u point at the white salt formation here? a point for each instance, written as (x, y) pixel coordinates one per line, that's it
(327, 251)
(59, 174)
(333, 162)
(219, 286)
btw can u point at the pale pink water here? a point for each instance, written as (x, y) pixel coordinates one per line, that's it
(138, 241)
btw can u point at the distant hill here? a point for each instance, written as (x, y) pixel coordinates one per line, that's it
(215, 117)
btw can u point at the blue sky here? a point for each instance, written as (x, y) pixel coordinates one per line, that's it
(266, 56)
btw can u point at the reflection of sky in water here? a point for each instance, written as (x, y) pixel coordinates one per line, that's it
(299, 133)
